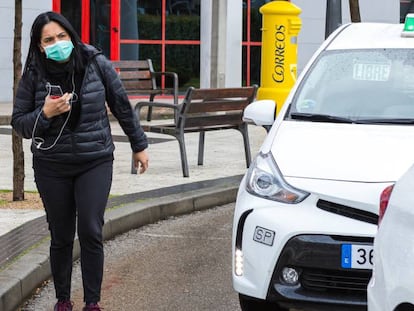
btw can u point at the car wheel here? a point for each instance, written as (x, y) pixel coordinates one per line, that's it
(253, 304)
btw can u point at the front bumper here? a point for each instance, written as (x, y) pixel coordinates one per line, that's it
(322, 280)
(308, 238)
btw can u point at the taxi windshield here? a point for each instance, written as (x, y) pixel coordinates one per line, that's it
(358, 85)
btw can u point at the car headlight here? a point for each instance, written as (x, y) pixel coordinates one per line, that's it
(265, 180)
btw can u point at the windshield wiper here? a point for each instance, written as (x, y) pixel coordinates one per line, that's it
(319, 117)
(385, 121)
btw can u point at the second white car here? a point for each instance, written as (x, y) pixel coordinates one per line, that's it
(391, 286)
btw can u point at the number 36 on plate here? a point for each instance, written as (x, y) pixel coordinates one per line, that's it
(357, 256)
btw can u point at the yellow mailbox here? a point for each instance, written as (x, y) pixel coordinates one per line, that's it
(280, 28)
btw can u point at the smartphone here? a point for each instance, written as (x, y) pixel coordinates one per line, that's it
(54, 91)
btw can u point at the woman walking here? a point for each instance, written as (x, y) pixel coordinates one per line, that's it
(61, 104)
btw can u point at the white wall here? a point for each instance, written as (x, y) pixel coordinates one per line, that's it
(31, 8)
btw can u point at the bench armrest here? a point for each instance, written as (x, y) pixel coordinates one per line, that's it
(174, 78)
(166, 73)
(149, 104)
(139, 105)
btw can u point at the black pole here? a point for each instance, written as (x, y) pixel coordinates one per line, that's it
(333, 17)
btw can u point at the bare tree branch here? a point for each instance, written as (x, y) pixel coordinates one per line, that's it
(354, 10)
(17, 143)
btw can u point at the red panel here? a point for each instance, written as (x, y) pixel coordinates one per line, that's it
(115, 29)
(85, 21)
(56, 6)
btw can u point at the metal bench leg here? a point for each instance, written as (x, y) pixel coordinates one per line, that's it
(149, 113)
(243, 130)
(183, 153)
(201, 148)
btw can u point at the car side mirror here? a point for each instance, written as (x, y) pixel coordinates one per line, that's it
(260, 112)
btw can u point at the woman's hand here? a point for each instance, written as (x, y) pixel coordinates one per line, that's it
(56, 106)
(141, 161)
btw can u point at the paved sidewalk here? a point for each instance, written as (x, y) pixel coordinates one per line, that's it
(224, 156)
(159, 193)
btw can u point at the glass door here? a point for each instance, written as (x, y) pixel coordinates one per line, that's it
(96, 21)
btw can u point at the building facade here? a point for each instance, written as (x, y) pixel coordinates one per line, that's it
(208, 43)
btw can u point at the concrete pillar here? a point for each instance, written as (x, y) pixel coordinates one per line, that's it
(221, 39)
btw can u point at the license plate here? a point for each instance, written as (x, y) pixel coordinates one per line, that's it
(357, 256)
(264, 236)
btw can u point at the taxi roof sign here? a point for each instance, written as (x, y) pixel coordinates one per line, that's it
(408, 30)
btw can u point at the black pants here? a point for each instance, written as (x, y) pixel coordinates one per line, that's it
(67, 191)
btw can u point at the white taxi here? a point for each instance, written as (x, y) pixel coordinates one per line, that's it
(307, 208)
(391, 285)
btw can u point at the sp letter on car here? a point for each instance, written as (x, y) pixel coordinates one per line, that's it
(264, 236)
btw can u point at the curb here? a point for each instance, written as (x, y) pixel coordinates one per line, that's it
(25, 274)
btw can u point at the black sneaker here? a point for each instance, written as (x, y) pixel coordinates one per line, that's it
(92, 307)
(64, 305)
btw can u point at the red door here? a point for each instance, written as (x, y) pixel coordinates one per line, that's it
(96, 21)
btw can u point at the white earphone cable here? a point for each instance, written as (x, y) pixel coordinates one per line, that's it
(39, 141)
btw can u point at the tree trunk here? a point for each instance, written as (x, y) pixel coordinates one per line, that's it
(17, 141)
(354, 10)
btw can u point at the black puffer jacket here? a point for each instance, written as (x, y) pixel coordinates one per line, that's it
(91, 139)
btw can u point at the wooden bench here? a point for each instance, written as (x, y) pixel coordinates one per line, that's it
(204, 110)
(139, 78)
